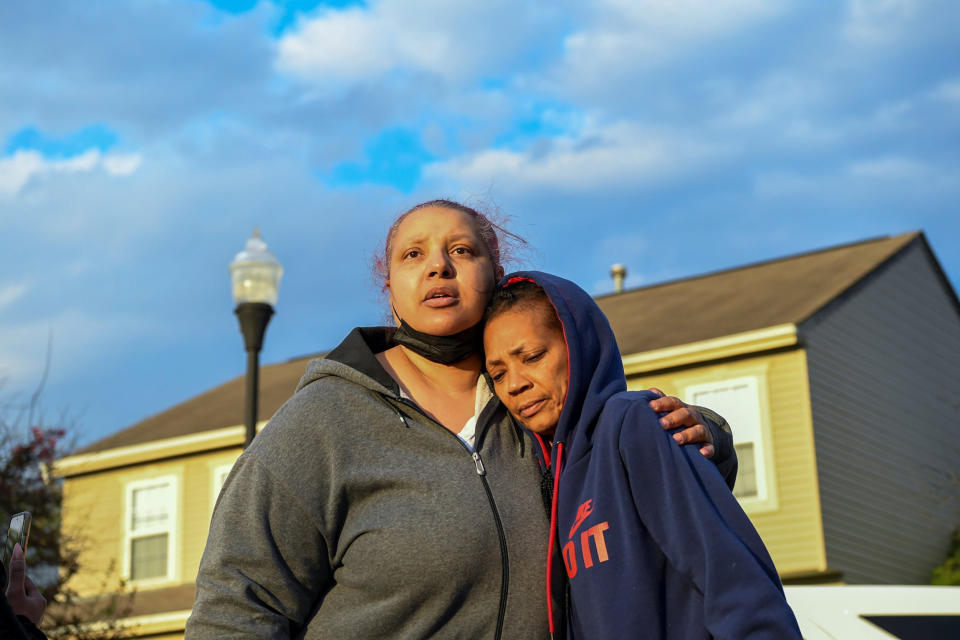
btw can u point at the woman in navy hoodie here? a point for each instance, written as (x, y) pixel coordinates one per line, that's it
(653, 542)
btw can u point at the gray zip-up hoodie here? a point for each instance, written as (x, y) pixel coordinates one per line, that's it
(353, 515)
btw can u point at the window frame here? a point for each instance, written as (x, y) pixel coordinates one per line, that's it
(171, 529)
(215, 486)
(756, 378)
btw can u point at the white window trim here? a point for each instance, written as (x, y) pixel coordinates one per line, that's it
(172, 531)
(766, 499)
(215, 486)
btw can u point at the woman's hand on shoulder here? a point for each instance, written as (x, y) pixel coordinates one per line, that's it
(680, 414)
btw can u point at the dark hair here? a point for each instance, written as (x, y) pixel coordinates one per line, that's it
(498, 241)
(521, 296)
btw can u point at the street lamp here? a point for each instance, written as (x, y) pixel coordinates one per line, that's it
(255, 274)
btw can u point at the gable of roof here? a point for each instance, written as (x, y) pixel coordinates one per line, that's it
(782, 291)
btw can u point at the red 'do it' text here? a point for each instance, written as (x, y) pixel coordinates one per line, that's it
(591, 542)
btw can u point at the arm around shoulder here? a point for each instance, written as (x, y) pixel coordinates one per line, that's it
(265, 565)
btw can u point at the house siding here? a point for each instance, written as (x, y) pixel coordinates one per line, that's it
(95, 508)
(884, 364)
(791, 530)
(93, 513)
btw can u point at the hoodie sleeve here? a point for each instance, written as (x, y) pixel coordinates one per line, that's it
(703, 532)
(265, 564)
(724, 456)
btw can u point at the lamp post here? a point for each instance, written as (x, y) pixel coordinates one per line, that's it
(255, 275)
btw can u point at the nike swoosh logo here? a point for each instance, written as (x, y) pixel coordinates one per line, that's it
(583, 512)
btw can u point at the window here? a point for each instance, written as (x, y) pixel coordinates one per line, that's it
(150, 519)
(220, 474)
(739, 400)
(919, 626)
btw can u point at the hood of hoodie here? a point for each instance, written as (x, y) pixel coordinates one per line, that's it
(594, 362)
(355, 360)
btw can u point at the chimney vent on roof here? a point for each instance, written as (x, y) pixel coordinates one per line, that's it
(619, 273)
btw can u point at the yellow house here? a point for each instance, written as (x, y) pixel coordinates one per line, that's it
(839, 371)
(146, 495)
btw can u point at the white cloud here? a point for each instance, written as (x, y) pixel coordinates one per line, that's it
(11, 293)
(122, 164)
(625, 35)
(622, 155)
(339, 45)
(771, 101)
(455, 41)
(948, 91)
(890, 168)
(17, 170)
(86, 161)
(908, 177)
(878, 22)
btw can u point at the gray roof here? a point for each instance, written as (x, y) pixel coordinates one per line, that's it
(786, 290)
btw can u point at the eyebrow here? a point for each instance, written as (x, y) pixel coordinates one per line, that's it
(513, 352)
(453, 238)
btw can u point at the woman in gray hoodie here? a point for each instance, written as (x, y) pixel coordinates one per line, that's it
(393, 496)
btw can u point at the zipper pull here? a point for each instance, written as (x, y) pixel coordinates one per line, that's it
(480, 470)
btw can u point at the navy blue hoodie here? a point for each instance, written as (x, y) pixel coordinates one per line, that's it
(653, 542)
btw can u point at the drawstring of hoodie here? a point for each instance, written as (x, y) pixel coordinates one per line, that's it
(546, 477)
(558, 458)
(391, 406)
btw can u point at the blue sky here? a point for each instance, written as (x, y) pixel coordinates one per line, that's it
(140, 144)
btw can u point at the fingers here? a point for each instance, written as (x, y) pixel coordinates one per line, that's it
(30, 588)
(679, 414)
(657, 391)
(18, 570)
(22, 594)
(681, 417)
(666, 404)
(34, 603)
(692, 435)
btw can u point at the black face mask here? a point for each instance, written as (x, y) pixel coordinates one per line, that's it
(440, 349)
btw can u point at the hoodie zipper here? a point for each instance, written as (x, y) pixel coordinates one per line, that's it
(482, 474)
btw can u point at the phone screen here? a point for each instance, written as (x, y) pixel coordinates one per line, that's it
(18, 531)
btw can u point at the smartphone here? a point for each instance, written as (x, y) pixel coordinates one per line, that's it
(18, 531)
